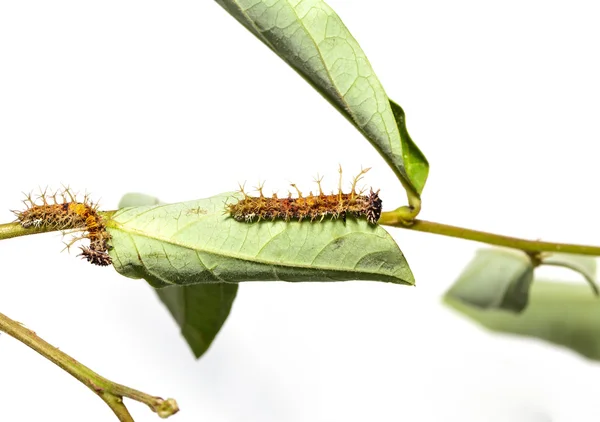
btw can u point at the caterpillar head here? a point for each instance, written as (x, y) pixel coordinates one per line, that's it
(373, 207)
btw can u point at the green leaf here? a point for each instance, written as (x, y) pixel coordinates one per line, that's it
(314, 41)
(196, 242)
(495, 278)
(560, 313)
(200, 310)
(415, 162)
(134, 199)
(584, 265)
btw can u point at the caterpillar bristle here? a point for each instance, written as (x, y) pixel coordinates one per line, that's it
(314, 207)
(62, 210)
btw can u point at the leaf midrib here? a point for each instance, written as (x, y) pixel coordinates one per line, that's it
(233, 255)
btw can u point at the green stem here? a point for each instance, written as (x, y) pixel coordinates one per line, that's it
(10, 230)
(110, 392)
(397, 218)
(529, 246)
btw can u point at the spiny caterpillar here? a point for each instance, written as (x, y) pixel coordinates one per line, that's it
(311, 207)
(62, 211)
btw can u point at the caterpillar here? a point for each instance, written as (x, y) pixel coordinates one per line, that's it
(62, 211)
(312, 207)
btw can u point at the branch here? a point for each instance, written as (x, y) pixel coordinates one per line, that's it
(399, 218)
(110, 392)
(11, 230)
(529, 246)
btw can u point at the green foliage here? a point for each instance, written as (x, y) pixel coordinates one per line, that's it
(560, 313)
(196, 242)
(314, 41)
(495, 278)
(583, 265)
(417, 166)
(194, 254)
(200, 311)
(501, 279)
(137, 200)
(497, 281)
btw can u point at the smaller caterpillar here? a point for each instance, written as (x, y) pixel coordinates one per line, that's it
(311, 207)
(62, 211)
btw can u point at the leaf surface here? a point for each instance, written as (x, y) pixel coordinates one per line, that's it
(200, 311)
(135, 199)
(495, 279)
(196, 242)
(584, 265)
(565, 314)
(314, 41)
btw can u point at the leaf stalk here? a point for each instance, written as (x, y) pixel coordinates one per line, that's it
(396, 219)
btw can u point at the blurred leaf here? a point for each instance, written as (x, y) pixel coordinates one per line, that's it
(314, 41)
(196, 242)
(584, 265)
(134, 199)
(495, 278)
(200, 310)
(560, 313)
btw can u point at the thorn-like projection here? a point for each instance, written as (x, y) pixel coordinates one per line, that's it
(61, 210)
(318, 181)
(260, 188)
(297, 190)
(242, 191)
(340, 194)
(314, 207)
(357, 179)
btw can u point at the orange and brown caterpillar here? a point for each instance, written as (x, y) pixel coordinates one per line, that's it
(311, 207)
(62, 211)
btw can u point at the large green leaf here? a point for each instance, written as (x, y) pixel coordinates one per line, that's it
(196, 242)
(200, 310)
(311, 38)
(561, 313)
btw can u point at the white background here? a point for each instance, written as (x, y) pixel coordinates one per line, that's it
(177, 100)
